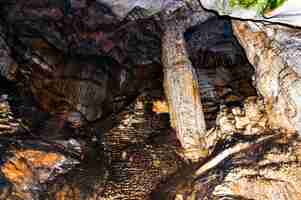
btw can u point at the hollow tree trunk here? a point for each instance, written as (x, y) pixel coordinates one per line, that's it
(182, 92)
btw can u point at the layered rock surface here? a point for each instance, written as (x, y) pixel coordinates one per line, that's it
(95, 74)
(273, 51)
(279, 11)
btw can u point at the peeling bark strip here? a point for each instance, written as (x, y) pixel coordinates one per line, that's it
(182, 92)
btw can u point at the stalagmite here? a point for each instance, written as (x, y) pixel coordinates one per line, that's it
(181, 89)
